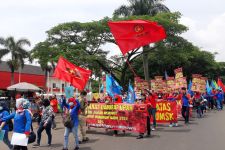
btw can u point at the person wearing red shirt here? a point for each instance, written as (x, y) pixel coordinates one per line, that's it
(152, 101)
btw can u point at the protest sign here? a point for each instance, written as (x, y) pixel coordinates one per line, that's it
(166, 112)
(170, 84)
(140, 84)
(178, 73)
(130, 117)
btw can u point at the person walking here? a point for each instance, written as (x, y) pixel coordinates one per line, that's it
(82, 117)
(45, 124)
(185, 104)
(72, 112)
(22, 123)
(4, 112)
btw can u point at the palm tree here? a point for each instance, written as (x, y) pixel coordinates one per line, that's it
(142, 7)
(16, 51)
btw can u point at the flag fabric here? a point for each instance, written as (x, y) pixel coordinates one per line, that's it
(189, 88)
(215, 84)
(133, 34)
(208, 88)
(71, 73)
(112, 87)
(102, 88)
(221, 85)
(166, 75)
(69, 91)
(131, 96)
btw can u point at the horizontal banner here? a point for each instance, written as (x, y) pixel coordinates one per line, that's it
(130, 117)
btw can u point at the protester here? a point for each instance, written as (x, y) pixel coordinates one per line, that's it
(185, 105)
(82, 117)
(4, 112)
(148, 117)
(219, 99)
(22, 121)
(45, 124)
(73, 111)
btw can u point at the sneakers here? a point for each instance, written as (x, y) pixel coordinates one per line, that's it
(171, 125)
(76, 148)
(153, 129)
(36, 145)
(65, 149)
(85, 139)
(140, 137)
(176, 124)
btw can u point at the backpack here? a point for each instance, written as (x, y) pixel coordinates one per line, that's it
(68, 122)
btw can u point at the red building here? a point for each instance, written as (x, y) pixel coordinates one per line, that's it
(31, 74)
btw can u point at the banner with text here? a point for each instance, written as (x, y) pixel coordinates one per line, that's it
(166, 112)
(130, 117)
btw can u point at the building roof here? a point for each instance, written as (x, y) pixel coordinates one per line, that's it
(27, 69)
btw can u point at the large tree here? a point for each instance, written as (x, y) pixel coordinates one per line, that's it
(17, 52)
(84, 44)
(138, 8)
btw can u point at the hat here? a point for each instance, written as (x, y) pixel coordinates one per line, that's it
(73, 100)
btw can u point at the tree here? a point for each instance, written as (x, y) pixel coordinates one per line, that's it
(45, 54)
(17, 52)
(138, 8)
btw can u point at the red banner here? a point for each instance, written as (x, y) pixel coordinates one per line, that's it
(118, 116)
(166, 112)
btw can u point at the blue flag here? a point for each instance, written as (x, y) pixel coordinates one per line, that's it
(166, 75)
(208, 88)
(189, 88)
(69, 91)
(112, 86)
(131, 96)
(102, 88)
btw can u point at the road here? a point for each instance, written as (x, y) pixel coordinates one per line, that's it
(207, 133)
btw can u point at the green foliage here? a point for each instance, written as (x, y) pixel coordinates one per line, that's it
(17, 52)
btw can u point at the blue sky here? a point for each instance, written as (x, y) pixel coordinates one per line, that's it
(31, 18)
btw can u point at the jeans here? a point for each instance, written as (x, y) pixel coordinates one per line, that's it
(219, 104)
(48, 132)
(74, 130)
(17, 147)
(185, 113)
(6, 140)
(82, 127)
(153, 114)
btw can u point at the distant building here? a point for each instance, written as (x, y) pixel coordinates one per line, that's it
(31, 74)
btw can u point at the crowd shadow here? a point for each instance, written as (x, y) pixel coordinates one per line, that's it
(56, 145)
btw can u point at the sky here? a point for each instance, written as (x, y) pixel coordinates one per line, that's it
(32, 18)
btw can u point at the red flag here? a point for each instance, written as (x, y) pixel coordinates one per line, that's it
(136, 33)
(71, 73)
(220, 84)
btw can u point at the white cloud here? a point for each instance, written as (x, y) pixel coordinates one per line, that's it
(209, 37)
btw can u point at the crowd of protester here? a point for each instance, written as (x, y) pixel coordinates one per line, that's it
(73, 111)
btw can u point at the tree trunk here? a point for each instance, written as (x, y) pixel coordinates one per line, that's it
(145, 62)
(12, 77)
(123, 75)
(46, 79)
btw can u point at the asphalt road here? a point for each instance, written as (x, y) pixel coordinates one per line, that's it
(207, 133)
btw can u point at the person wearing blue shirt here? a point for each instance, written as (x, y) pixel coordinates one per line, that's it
(185, 105)
(4, 112)
(219, 99)
(22, 121)
(73, 110)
